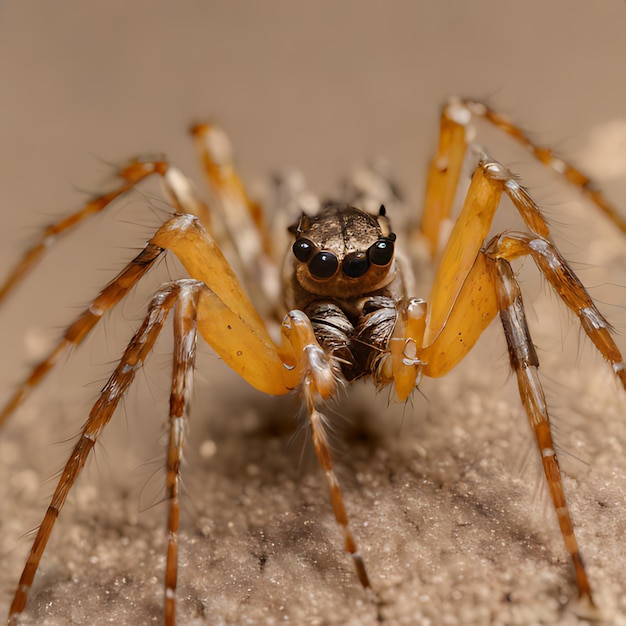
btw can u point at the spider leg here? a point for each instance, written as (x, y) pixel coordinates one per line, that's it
(185, 337)
(470, 230)
(222, 319)
(230, 325)
(47, 237)
(319, 381)
(239, 212)
(445, 169)
(569, 288)
(445, 333)
(135, 354)
(85, 322)
(491, 283)
(548, 158)
(471, 286)
(525, 363)
(466, 239)
(227, 320)
(443, 176)
(235, 329)
(463, 299)
(178, 189)
(243, 218)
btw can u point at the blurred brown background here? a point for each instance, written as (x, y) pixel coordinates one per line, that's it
(322, 86)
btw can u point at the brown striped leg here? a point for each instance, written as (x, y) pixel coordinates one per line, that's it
(134, 356)
(185, 337)
(524, 363)
(569, 288)
(322, 450)
(82, 326)
(178, 189)
(545, 156)
(320, 380)
(48, 236)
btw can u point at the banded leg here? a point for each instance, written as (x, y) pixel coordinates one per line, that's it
(319, 380)
(445, 168)
(491, 283)
(491, 280)
(177, 187)
(134, 356)
(86, 321)
(569, 288)
(548, 158)
(524, 363)
(185, 337)
(227, 321)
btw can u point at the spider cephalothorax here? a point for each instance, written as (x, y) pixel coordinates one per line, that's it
(349, 313)
(343, 252)
(342, 273)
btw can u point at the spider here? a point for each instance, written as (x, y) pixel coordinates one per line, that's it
(347, 310)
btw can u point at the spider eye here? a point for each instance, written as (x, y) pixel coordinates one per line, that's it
(381, 252)
(303, 249)
(355, 264)
(323, 265)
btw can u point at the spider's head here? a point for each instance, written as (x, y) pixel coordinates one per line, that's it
(343, 251)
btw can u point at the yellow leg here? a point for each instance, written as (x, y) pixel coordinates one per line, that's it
(445, 169)
(242, 217)
(475, 308)
(443, 176)
(463, 300)
(468, 235)
(470, 230)
(227, 319)
(237, 209)
(229, 323)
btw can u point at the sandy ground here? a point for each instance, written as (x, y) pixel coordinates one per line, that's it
(444, 494)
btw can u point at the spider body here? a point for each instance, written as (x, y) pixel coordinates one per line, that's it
(342, 274)
(350, 310)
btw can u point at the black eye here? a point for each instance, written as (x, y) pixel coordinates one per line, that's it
(355, 264)
(323, 265)
(303, 249)
(381, 252)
